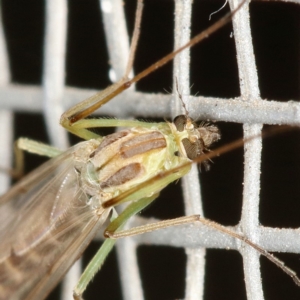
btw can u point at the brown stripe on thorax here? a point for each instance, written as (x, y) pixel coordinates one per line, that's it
(126, 144)
(123, 175)
(110, 139)
(119, 159)
(142, 143)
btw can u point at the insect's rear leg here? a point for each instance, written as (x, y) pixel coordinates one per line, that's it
(31, 146)
(151, 227)
(98, 260)
(34, 147)
(196, 218)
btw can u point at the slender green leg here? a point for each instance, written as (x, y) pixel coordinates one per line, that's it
(93, 123)
(98, 260)
(80, 128)
(24, 144)
(93, 267)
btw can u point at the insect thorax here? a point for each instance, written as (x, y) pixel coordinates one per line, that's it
(125, 159)
(120, 161)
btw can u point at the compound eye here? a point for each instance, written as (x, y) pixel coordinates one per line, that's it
(193, 150)
(180, 122)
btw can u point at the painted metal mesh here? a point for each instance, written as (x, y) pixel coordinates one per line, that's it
(57, 91)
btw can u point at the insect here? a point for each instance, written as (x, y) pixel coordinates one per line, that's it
(77, 170)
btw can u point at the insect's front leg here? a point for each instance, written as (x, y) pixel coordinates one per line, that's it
(81, 127)
(71, 119)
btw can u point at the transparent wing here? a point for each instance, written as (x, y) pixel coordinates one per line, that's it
(45, 225)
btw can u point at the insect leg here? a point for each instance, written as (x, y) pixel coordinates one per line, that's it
(88, 106)
(80, 128)
(151, 227)
(150, 186)
(93, 267)
(98, 123)
(206, 222)
(98, 260)
(24, 144)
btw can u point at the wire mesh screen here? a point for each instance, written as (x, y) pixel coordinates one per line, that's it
(56, 53)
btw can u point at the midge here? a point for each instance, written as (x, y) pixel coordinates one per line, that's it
(50, 216)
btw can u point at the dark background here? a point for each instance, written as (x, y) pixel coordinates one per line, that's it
(276, 29)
